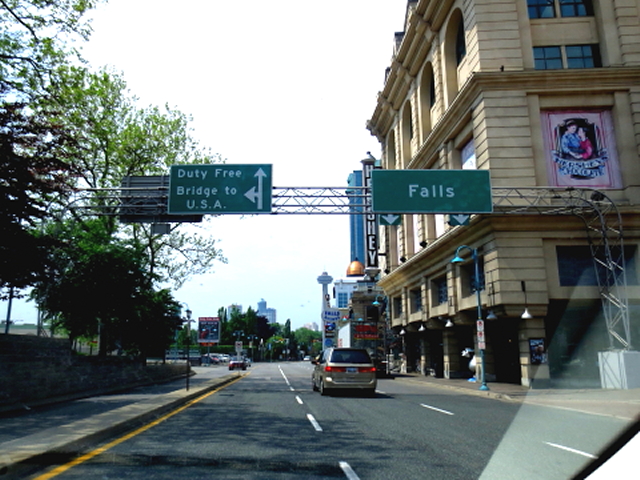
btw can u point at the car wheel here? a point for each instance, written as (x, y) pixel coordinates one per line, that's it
(323, 390)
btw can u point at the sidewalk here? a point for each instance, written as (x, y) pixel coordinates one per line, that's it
(624, 404)
(110, 415)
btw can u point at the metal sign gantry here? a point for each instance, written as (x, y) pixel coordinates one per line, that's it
(144, 200)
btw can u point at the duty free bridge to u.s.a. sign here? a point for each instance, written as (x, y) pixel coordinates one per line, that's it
(219, 189)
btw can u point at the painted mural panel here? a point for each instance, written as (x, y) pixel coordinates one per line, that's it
(581, 149)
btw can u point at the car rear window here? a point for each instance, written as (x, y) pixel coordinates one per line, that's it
(350, 356)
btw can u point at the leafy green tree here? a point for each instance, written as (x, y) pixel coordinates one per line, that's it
(115, 138)
(32, 175)
(36, 35)
(308, 340)
(94, 285)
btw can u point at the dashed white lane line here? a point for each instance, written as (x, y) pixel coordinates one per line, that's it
(430, 407)
(348, 471)
(315, 424)
(572, 450)
(299, 400)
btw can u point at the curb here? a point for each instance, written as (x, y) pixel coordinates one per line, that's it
(25, 455)
(468, 391)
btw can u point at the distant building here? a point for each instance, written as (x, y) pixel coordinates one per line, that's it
(356, 219)
(234, 307)
(313, 326)
(268, 313)
(343, 288)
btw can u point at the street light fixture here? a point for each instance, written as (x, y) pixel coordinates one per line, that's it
(474, 256)
(188, 342)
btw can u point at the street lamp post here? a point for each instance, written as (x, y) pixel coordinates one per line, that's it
(458, 259)
(188, 347)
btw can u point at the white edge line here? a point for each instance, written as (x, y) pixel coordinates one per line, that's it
(348, 471)
(446, 412)
(315, 424)
(572, 450)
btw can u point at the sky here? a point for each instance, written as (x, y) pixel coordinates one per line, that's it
(279, 82)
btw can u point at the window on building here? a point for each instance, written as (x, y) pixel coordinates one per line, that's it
(432, 89)
(440, 291)
(416, 300)
(570, 56)
(343, 299)
(470, 285)
(583, 56)
(566, 8)
(397, 307)
(547, 58)
(461, 46)
(541, 8)
(468, 156)
(576, 8)
(576, 266)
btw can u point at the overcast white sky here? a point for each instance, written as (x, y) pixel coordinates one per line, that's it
(281, 82)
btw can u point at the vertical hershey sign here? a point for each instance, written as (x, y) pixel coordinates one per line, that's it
(370, 219)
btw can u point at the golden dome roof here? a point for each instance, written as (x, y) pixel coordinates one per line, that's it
(355, 269)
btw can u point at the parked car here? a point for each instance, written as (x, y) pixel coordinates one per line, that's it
(344, 368)
(237, 362)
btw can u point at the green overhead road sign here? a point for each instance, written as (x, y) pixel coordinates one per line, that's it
(219, 189)
(431, 191)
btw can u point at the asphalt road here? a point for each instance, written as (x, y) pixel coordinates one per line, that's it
(271, 425)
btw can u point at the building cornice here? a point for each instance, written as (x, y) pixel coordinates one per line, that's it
(540, 82)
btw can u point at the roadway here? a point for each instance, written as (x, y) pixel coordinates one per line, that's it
(271, 425)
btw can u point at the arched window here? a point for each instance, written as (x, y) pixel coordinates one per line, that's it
(461, 46)
(391, 151)
(455, 50)
(407, 133)
(427, 99)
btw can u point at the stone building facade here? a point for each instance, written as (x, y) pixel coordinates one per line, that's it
(545, 94)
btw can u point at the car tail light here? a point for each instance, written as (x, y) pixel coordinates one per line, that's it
(367, 369)
(334, 369)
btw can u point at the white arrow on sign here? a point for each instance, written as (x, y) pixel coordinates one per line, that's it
(256, 195)
(391, 218)
(461, 219)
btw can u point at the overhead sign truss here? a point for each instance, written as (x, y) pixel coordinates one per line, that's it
(146, 202)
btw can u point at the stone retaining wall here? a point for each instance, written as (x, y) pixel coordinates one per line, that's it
(37, 370)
